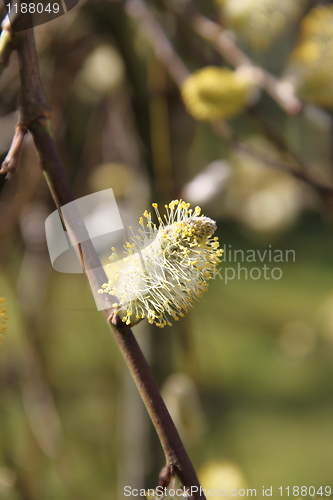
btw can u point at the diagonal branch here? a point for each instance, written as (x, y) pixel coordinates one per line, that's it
(10, 163)
(6, 44)
(35, 112)
(225, 133)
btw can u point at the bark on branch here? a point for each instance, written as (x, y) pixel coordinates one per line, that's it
(35, 113)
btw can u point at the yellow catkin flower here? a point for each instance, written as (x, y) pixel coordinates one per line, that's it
(311, 62)
(260, 21)
(212, 93)
(3, 318)
(166, 266)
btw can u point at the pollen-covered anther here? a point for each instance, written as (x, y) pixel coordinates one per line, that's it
(166, 266)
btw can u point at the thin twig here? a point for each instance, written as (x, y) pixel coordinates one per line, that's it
(225, 134)
(300, 175)
(273, 136)
(157, 37)
(172, 445)
(6, 44)
(162, 47)
(281, 92)
(35, 106)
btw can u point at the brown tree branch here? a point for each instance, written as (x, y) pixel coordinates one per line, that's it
(10, 163)
(6, 44)
(35, 111)
(223, 43)
(138, 10)
(225, 133)
(157, 37)
(300, 175)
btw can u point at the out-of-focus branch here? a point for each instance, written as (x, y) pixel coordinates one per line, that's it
(162, 47)
(6, 44)
(157, 37)
(300, 175)
(10, 163)
(223, 43)
(35, 112)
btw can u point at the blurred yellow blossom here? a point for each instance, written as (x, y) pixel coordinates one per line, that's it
(212, 93)
(260, 21)
(311, 62)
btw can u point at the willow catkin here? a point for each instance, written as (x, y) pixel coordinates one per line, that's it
(311, 62)
(166, 266)
(211, 93)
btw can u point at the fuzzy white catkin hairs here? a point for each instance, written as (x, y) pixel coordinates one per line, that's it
(166, 266)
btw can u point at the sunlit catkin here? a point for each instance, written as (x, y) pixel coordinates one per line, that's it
(3, 317)
(166, 265)
(212, 93)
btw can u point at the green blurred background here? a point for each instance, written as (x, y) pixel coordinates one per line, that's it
(247, 374)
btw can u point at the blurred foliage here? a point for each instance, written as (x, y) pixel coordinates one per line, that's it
(3, 317)
(312, 56)
(248, 374)
(261, 21)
